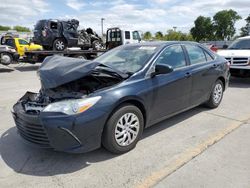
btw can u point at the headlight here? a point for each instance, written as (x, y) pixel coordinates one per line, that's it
(72, 106)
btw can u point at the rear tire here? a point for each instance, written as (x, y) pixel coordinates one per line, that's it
(97, 45)
(123, 129)
(79, 56)
(59, 45)
(216, 95)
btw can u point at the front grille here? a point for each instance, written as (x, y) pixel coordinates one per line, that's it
(34, 133)
(238, 60)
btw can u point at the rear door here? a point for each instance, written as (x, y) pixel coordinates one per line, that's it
(171, 91)
(203, 73)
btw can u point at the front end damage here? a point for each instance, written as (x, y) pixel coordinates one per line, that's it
(79, 132)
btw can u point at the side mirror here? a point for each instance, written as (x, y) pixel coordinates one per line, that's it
(162, 69)
(225, 46)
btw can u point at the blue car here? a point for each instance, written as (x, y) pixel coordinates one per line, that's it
(83, 105)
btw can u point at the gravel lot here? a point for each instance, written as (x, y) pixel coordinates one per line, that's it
(198, 148)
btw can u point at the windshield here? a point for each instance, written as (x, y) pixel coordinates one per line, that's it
(127, 59)
(240, 44)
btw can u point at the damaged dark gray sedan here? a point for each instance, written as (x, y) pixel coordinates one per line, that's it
(109, 101)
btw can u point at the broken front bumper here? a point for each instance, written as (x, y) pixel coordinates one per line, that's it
(69, 133)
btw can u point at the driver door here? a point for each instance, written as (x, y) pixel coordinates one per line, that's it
(23, 46)
(171, 92)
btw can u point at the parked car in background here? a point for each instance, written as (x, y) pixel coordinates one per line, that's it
(211, 47)
(110, 100)
(8, 55)
(60, 34)
(238, 54)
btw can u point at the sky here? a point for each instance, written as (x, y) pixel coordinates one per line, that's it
(147, 15)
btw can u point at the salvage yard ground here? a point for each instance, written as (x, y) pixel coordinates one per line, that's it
(198, 148)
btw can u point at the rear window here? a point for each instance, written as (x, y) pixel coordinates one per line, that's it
(127, 35)
(40, 25)
(196, 54)
(208, 56)
(10, 42)
(114, 35)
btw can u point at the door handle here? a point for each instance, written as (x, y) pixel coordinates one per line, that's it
(188, 74)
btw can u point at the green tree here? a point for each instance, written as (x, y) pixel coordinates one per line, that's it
(203, 29)
(21, 28)
(4, 28)
(246, 30)
(224, 22)
(159, 35)
(177, 35)
(147, 36)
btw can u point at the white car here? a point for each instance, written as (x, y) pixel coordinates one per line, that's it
(238, 54)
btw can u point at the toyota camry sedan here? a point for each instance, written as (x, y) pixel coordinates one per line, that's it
(83, 105)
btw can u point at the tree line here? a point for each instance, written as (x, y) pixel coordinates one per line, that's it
(219, 27)
(17, 28)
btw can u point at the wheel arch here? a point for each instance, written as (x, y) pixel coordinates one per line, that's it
(132, 101)
(62, 38)
(222, 79)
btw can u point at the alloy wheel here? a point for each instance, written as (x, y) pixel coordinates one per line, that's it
(127, 129)
(60, 45)
(217, 95)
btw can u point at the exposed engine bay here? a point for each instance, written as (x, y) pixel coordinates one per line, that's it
(34, 103)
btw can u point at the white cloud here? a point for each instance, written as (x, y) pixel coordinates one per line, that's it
(75, 4)
(162, 1)
(16, 12)
(145, 16)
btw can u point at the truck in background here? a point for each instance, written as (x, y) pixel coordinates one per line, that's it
(21, 45)
(117, 36)
(238, 55)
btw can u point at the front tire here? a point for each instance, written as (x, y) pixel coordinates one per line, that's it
(6, 58)
(216, 95)
(123, 129)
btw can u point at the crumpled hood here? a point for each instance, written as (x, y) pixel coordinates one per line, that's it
(58, 70)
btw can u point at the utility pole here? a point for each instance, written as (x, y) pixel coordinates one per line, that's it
(102, 19)
(248, 29)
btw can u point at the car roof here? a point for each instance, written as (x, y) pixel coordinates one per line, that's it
(161, 43)
(246, 37)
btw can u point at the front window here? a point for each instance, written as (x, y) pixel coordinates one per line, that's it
(127, 59)
(23, 42)
(240, 44)
(136, 35)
